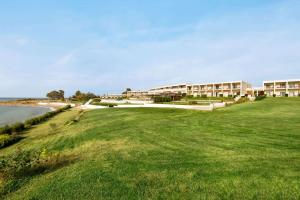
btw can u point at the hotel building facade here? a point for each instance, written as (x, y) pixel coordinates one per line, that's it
(224, 89)
(176, 89)
(282, 88)
(278, 88)
(235, 88)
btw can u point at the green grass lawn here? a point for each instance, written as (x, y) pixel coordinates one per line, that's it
(245, 151)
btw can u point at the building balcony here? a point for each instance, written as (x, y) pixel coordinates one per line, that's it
(269, 88)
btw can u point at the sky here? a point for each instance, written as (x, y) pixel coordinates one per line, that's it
(107, 46)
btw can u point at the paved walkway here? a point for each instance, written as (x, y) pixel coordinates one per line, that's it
(210, 107)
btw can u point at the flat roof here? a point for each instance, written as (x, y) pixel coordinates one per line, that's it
(183, 84)
(287, 80)
(138, 91)
(189, 84)
(220, 82)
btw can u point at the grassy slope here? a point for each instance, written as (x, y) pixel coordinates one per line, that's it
(244, 151)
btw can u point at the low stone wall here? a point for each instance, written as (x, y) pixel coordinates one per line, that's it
(55, 104)
(147, 104)
(125, 101)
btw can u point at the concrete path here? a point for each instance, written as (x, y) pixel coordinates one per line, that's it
(152, 105)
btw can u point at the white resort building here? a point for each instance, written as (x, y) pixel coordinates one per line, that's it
(178, 89)
(282, 88)
(235, 88)
(221, 89)
(278, 88)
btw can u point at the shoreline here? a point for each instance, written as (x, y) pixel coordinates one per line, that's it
(51, 108)
(21, 113)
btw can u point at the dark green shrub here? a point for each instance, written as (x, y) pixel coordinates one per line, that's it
(230, 96)
(6, 130)
(259, 98)
(242, 100)
(286, 95)
(203, 96)
(274, 95)
(6, 140)
(221, 95)
(105, 104)
(17, 127)
(192, 102)
(161, 99)
(299, 95)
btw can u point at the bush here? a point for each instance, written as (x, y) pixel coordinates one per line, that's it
(26, 163)
(221, 95)
(286, 95)
(259, 98)
(96, 100)
(192, 102)
(161, 99)
(230, 96)
(299, 95)
(203, 96)
(17, 127)
(242, 100)
(6, 130)
(274, 95)
(6, 140)
(105, 104)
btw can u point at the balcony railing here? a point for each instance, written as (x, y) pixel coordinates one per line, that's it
(269, 88)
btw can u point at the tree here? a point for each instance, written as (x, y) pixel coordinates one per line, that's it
(56, 95)
(80, 96)
(77, 93)
(126, 91)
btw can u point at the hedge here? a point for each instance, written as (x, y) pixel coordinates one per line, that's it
(104, 104)
(6, 140)
(161, 99)
(259, 98)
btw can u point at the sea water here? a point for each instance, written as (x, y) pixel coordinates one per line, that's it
(13, 114)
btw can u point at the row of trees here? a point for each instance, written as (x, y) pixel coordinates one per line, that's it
(78, 96)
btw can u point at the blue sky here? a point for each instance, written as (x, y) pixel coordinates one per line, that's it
(106, 46)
